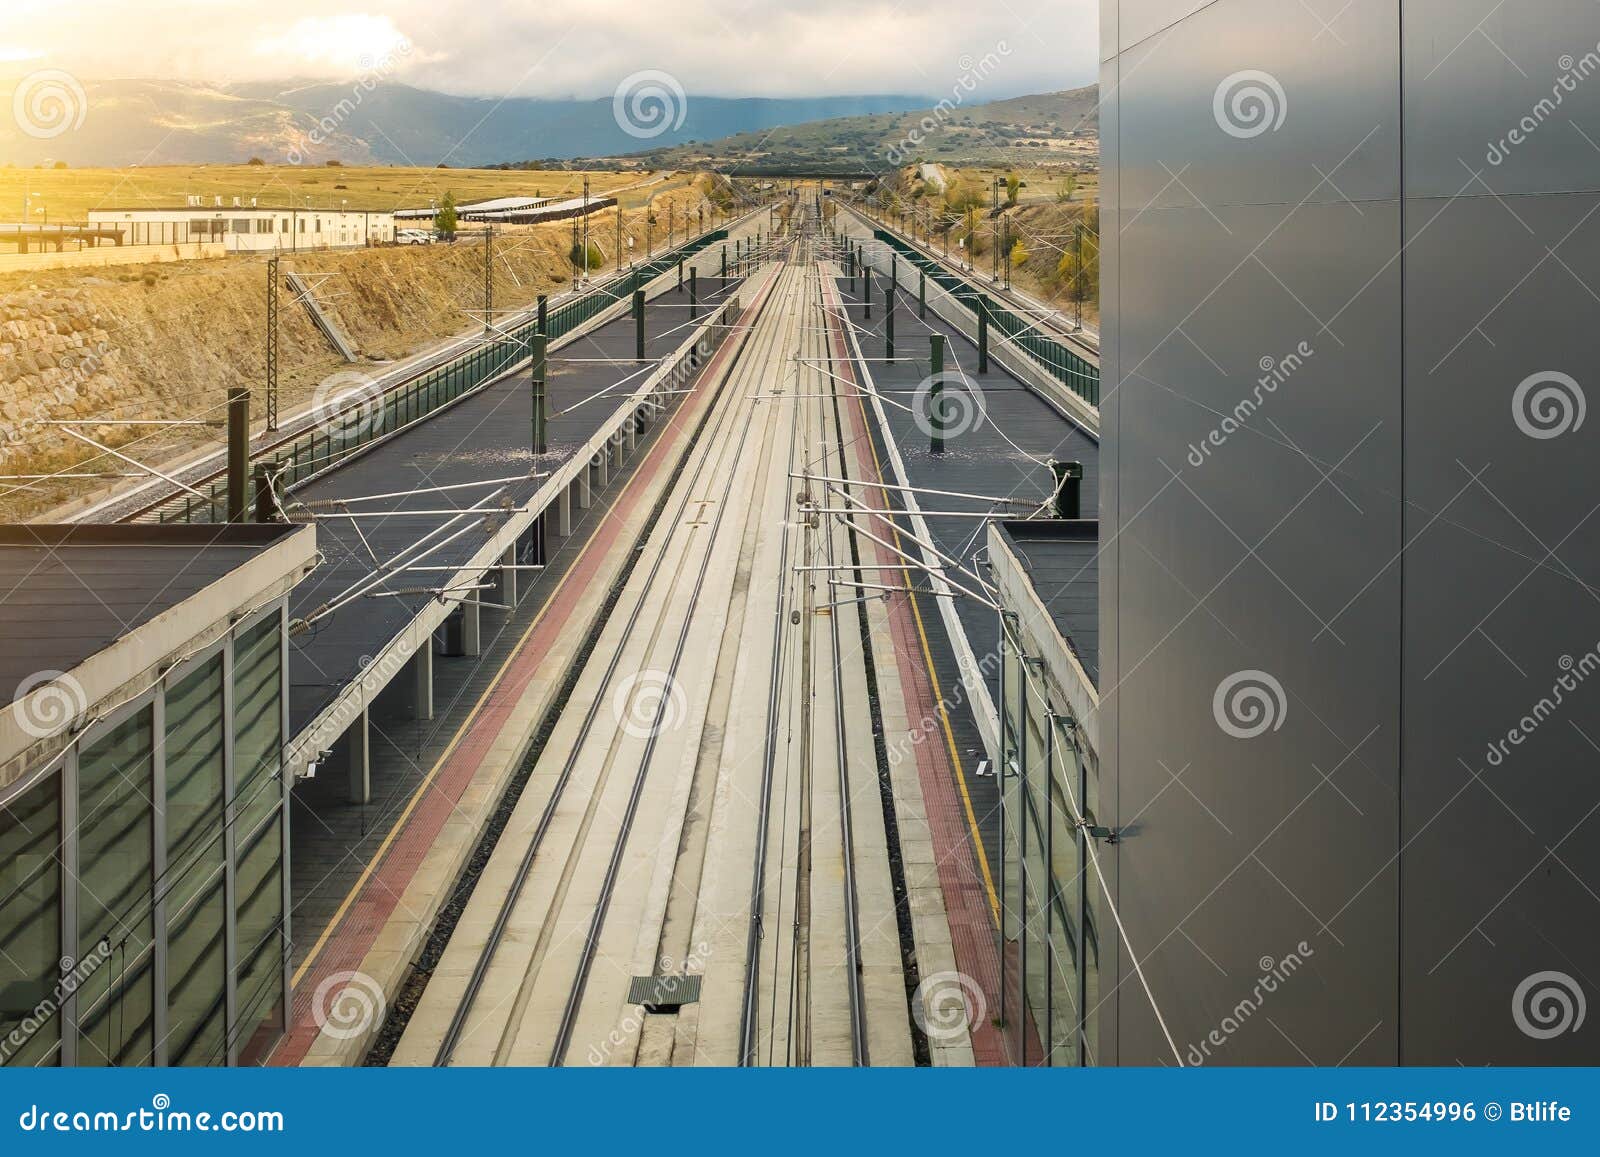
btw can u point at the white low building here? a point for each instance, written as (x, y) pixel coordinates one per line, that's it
(248, 228)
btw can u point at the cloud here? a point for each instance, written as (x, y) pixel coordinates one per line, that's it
(788, 48)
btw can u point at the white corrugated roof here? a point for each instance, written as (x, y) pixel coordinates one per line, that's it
(499, 203)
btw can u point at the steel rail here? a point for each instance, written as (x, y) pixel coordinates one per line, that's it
(858, 1029)
(465, 1004)
(608, 883)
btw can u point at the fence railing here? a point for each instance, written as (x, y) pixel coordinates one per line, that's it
(369, 418)
(1060, 361)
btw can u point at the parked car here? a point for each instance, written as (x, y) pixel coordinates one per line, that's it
(413, 237)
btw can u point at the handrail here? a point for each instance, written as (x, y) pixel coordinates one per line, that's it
(1061, 362)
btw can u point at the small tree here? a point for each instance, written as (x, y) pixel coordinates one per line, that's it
(1069, 186)
(1013, 188)
(444, 217)
(576, 255)
(1081, 280)
(1019, 254)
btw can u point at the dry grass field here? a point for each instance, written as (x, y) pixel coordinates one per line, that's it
(68, 194)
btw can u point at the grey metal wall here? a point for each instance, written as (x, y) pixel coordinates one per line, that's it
(1350, 521)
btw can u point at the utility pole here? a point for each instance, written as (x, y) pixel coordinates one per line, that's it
(586, 230)
(1006, 259)
(272, 342)
(238, 451)
(538, 376)
(888, 306)
(488, 276)
(994, 232)
(619, 236)
(1077, 276)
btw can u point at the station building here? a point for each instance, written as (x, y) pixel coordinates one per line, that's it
(248, 228)
(143, 800)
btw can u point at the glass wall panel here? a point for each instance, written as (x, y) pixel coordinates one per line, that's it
(115, 831)
(30, 925)
(197, 980)
(260, 923)
(1036, 869)
(196, 907)
(194, 753)
(1093, 905)
(258, 724)
(1011, 772)
(1066, 910)
(1036, 979)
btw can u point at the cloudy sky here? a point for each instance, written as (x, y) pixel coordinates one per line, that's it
(567, 48)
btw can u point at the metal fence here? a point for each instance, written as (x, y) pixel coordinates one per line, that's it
(368, 418)
(1060, 361)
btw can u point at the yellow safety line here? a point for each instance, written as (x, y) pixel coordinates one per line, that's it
(933, 676)
(433, 772)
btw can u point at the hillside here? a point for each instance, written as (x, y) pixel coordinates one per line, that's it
(167, 341)
(158, 122)
(1057, 128)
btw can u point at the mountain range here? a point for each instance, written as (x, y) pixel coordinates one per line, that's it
(150, 122)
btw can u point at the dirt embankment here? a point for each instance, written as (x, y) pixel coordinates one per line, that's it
(168, 341)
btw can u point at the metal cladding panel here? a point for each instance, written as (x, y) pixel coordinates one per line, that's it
(1426, 600)
(1256, 102)
(1501, 97)
(1502, 625)
(1255, 442)
(1138, 19)
(1111, 218)
(1259, 567)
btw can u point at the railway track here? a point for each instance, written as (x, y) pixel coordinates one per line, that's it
(686, 877)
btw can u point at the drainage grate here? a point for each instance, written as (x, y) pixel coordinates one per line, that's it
(664, 993)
